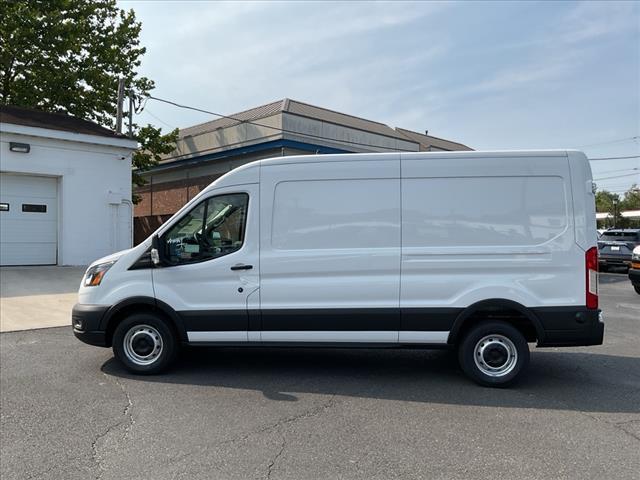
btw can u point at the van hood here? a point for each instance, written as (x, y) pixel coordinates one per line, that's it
(111, 258)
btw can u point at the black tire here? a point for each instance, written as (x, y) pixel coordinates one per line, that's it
(496, 353)
(603, 268)
(637, 289)
(145, 344)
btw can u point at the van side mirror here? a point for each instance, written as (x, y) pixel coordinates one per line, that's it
(157, 251)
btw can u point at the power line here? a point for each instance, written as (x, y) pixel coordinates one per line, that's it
(159, 119)
(613, 158)
(636, 137)
(615, 189)
(624, 187)
(283, 130)
(617, 176)
(621, 170)
(629, 191)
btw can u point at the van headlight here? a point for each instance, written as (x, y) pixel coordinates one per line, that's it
(635, 257)
(95, 274)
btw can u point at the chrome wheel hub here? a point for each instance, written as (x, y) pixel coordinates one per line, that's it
(495, 355)
(143, 344)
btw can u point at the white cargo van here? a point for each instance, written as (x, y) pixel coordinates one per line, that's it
(480, 251)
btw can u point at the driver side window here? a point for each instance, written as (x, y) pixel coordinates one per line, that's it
(213, 228)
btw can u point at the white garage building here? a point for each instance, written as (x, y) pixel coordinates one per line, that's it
(65, 189)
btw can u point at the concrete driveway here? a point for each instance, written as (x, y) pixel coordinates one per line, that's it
(37, 297)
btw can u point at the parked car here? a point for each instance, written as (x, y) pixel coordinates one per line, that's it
(634, 271)
(479, 251)
(615, 247)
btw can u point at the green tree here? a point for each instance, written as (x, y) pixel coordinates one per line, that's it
(631, 200)
(67, 56)
(607, 202)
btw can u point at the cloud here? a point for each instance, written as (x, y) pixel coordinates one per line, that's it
(491, 75)
(555, 55)
(590, 20)
(318, 52)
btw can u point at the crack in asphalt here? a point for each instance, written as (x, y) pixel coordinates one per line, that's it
(621, 426)
(288, 421)
(126, 412)
(127, 421)
(279, 425)
(283, 444)
(284, 421)
(616, 425)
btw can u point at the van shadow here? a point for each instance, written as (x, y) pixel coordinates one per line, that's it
(576, 381)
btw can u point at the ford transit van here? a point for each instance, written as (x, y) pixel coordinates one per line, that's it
(484, 252)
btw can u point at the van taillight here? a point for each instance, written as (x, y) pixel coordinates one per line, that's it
(591, 262)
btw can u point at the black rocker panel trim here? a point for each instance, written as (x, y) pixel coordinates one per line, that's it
(215, 320)
(334, 319)
(428, 319)
(343, 319)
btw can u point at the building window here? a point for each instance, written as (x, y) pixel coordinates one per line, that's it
(33, 208)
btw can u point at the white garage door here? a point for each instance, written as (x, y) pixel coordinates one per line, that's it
(28, 220)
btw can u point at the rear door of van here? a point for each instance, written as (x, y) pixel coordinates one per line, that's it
(330, 250)
(485, 226)
(584, 202)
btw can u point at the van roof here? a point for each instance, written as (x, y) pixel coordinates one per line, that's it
(380, 156)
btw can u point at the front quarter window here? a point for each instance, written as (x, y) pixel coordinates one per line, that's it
(213, 228)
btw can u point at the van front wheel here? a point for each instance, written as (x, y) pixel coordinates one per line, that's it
(144, 343)
(494, 354)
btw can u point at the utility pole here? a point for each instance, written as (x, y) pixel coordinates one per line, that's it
(130, 114)
(119, 108)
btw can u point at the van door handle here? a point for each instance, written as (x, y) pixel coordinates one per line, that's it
(241, 266)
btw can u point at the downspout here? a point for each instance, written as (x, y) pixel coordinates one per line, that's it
(114, 228)
(128, 202)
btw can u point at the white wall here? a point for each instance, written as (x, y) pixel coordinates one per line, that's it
(91, 221)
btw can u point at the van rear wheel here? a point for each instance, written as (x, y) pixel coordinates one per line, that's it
(494, 354)
(144, 343)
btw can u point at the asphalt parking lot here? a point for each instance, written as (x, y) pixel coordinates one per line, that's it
(70, 411)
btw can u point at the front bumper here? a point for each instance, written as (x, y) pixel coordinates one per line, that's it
(634, 276)
(85, 320)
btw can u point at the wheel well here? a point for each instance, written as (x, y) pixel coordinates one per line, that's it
(513, 316)
(129, 310)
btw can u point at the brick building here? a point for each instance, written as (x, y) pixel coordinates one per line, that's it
(206, 151)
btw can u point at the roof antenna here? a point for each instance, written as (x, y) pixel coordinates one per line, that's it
(426, 132)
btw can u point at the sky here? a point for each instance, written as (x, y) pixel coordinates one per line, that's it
(492, 75)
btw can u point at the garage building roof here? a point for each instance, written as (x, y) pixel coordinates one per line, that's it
(55, 121)
(293, 107)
